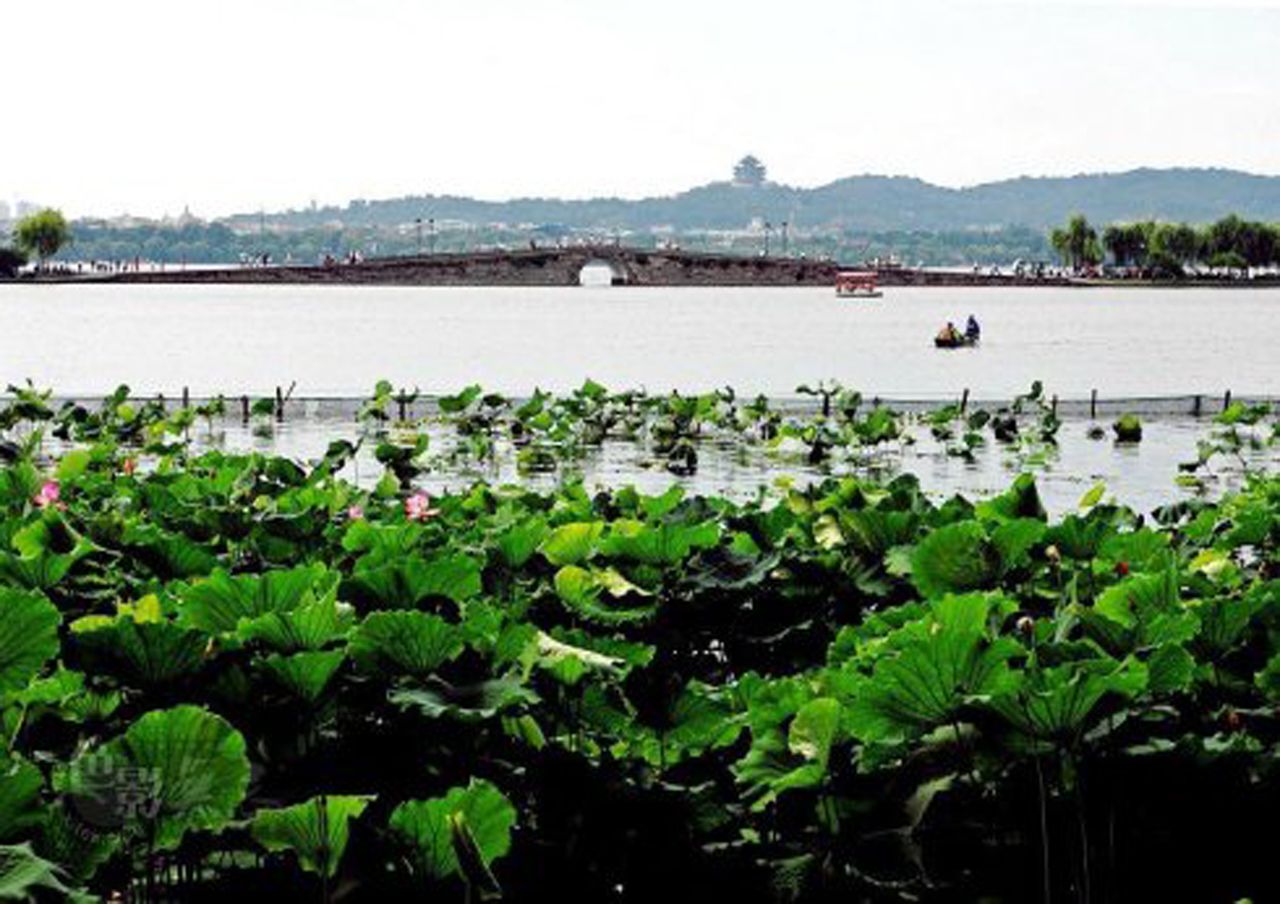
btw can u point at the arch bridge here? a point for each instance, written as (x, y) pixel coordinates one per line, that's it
(553, 266)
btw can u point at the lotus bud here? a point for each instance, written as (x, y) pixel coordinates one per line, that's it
(1122, 568)
(1052, 554)
(1026, 626)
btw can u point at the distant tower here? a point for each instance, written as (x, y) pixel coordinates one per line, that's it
(749, 171)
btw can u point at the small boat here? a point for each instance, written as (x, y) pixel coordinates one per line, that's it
(857, 284)
(957, 341)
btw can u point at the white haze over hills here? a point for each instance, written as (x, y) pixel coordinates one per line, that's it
(149, 106)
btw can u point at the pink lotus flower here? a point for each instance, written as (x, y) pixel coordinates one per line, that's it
(418, 507)
(355, 513)
(130, 465)
(49, 496)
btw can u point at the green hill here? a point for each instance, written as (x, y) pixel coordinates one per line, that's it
(864, 202)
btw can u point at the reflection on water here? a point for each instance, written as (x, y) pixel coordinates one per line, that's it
(1139, 475)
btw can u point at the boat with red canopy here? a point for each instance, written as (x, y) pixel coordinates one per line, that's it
(857, 284)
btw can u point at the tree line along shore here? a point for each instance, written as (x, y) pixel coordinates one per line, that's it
(1229, 251)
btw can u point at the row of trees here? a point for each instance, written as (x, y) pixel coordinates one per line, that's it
(1168, 249)
(213, 243)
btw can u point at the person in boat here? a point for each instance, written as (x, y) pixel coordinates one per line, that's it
(972, 331)
(949, 333)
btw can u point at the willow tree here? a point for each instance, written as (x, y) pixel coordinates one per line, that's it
(1174, 246)
(1077, 244)
(1127, 242)
(42, 233)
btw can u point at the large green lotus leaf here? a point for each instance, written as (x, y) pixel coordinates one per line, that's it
(1021, 500)
(381, 543)
(1056, 703)
(874, 531)
(701, 718)
(25, 876)
(571, 654)
(1251, 525)
(773, 766)
(406, 583)
(219, 603)
(1015, 539)
(1141, 550)
(306, 674)
(316, 831)
(19, 483)
(518, 543)
(63, 693)
(827, 534)
(436, 698)
(1170, 669)
(52, 691)
(660, 506)
(148, 653)
(770, 769)
(20, 784)
(405, 642)
(1149, 607)
(169, 554)
(42, 570)
(581, 591)
(1079, 538)
(311, 626)
(661, 544)
(172, 771)
(931, 668)
(28, 636)
(954, 558)
(67, 840)
(430, 827)
(570, 544)
(1224, 620)
(814, 729)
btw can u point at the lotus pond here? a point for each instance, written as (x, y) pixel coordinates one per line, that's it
(227, 671)
(711, 444)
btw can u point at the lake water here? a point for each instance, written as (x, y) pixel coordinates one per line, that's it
(1140, 475)
(335, 340)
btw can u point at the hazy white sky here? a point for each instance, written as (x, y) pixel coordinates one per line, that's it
(232, 105)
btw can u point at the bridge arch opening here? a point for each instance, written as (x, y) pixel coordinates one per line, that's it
(600, 272)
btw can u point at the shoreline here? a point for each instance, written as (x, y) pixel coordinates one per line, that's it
(630, 267)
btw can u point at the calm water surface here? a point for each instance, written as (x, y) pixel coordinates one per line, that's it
(340, 340)
(1139, 475)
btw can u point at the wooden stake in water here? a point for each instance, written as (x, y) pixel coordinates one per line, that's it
(964, 400)
(244, 408)
(1226, 400)
(279, 404)
(1093, 404)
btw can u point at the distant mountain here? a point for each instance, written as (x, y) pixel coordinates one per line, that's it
(858, 203)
